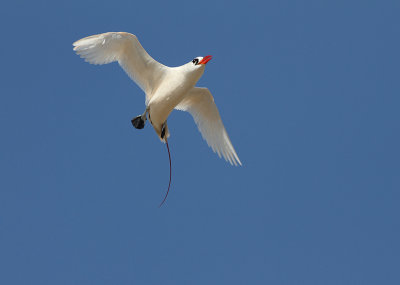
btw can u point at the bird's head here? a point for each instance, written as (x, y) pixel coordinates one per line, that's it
(196, 67)
(201, 61)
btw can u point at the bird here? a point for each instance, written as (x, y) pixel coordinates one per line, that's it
(166, 88)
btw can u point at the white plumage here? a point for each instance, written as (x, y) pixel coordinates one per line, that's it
(166, 88)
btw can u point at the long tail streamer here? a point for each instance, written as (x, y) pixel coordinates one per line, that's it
(170, 172)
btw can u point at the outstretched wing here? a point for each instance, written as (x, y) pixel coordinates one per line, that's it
(127, 50)
(200, 104)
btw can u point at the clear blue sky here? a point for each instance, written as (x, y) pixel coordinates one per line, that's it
(309, 93)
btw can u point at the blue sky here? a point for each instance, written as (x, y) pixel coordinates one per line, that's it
(309, 94)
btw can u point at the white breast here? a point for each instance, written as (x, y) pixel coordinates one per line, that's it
(171, 91)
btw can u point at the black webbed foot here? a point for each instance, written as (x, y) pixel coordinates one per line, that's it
(138, 122)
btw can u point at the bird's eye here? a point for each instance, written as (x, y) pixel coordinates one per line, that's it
(195, 61)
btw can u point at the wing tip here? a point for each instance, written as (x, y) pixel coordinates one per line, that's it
(233, 159)
(239, 162)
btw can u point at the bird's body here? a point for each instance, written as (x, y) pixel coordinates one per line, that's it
(176, 83)
(166, 88)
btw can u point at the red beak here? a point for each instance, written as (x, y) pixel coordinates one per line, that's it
(205, 59)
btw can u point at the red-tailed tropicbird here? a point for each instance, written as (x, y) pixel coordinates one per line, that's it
(166, 88)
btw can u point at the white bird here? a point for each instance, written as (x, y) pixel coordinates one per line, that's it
(166, 88)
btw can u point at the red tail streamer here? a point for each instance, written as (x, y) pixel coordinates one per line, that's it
(170, 172)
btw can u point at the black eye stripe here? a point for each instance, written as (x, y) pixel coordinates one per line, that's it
(195, 61)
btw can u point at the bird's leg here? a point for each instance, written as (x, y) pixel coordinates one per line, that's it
(139, 121)
(163, 130)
